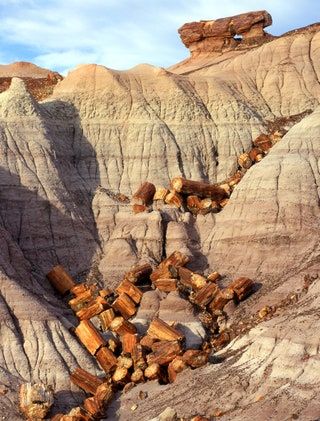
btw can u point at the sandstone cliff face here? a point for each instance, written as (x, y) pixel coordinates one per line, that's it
(104, 131)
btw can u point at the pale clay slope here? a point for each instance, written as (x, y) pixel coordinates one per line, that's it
(116, 129)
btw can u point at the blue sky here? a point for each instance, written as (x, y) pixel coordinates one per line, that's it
(60, 34)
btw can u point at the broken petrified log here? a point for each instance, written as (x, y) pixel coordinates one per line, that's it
(165, 285)
(86, 381)
(153, 371)
(60, 279)
(129, 341)
(191, 279)
(97, 307)
(125, 362)
(121, 375)
(165, 353)
(175, 366)
(106, 318)
(242, 287)
(221, 299)
(213, 276)
(131, 290)
(173, 198)
(244, 161)
(198, 188)
(124, 305)
(137, 376)
(160, 330)
(121, 326)
(138, 357)
(195, 358)
(144, 195)
(161, 193)
(167, 269)
(139, 208)
(79, 289)
(89, 336)
(220, 341)
(263, 142)
(106, 359)
(256, 154)
(139, 273)
(84, 299)
(206, 294)
(196, 205)
(96, 406)
(147, 342)
(35, 400)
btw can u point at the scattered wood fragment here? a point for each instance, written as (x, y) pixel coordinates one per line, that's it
(35, 400)
(205, 294)
(195, 358)
(175, 199)
(61, 280)
(144, 194)
(161, 193)
(89, 336)
(175, 367)
(131, 290)
(129, 341)
(198, 188)
(106, 318)
(242, 287)
(213, 276)
(165, 285)
(160, 330)
(139, 208)
(94, 309)
(124, 305)
(121, 326)
(86, 381)
(152, 372)
(139, 273)
(221, 299)
(106, 359)
(165, 353)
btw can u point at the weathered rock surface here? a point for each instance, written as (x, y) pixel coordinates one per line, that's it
(106, 131)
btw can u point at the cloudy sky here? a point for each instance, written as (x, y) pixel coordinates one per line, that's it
(60, 34)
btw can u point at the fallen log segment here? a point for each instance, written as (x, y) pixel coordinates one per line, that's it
(96, 406)
(168, 268)
(153, 371)
(175, 199)
(161, 193)
(165, 353)
(35, 400)
(198, 188)
(191, 279)
(144, 194)
(205, 295)
(79, 289)
(94, 309)
(86, 381)
(176, 366)
(139, 273)
(106, 359)
(137, 376)
(138, 357)
(124, 305)
(106, 318)
(221, 299)
(195, 358)
(139, 208)
(160, 330)
(213, 276)
(131, 290)
(89, 336)
(61, 280)
(121, 375)
(242, 287)
(121, 326)
(165, 285)
(83, 299)
(129, 341)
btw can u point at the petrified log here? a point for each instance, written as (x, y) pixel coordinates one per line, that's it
(166, 285)
(224, 202)
(131, 290)
(106, 318)
(173, 198)
(185, 276)
(153, 371)
(213, 276)
(77, 414)
(263, 142)
(124, 305)
(125, 362)
(137, 376)
(35, 400)
(244, 161)
(113, 344)
(86, 381)
(221, 299)
(84, 299)
(79, 289)
(60, 279)
(242, 287)
(95, 308)
(129, 341)
(139, 273)
(195, 358)
(106, 359)
(165, 352)
(176, 259)
(89, 336)
(175, 366)
(104, 293)
(138, 357)
(220, 341)
(256, 154)
(147, 342)
(97, 405)
(139, 208)
(121, 375)
(198, 188)
(161, 193)
(194, 204)
(235, 179)
(144, 195)
(205, 295)
(121, 326)
(159, 329)
(165, 272)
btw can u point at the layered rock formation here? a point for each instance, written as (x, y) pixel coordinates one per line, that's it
(104, 131)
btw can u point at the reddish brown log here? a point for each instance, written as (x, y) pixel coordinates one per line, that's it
(235, 179)
(176, 366)
(224, 202)
(106, 318)
(60, 279)
(79, 289)
(113, 344)
(147, 342)
(106, 359)
(263, 142)
(166, 285)
(138, 357)
(89, 336)
(131, 290)
(220, 341)
(165, 353)
(221, 299)
(159, 329)
(139, 273)
(205, 294)
(242, 287)
(121, 375)
(195, 358)
(191, 279)
(104, 293)
(164, 272)
(97, 307)
(144, 195)
(256, 154)
(176, 259)
(124, 305)
(121, 326)
(175, 199)
(86, 381)
(153, 371)
(244, 161)
(97, 405)
(139, 208)
(137, 376)
(84, 299)
(198, 188)
(161, 193)
(125, 362)
(194, 204)
(213, 277)
(129, 341)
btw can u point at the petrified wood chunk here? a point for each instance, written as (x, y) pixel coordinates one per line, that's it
(121, 375)
(125, 362)
(161, 193)
(165, 352)
(263, 142)
(256, 154)
(153, 371)
(124, 305)
(86, 381)
(244, 161)
(173, 198)
(139, 273)
(60, 279)
(205, 294)
(97, 405)
(147, 342)
(129, 341)
(35, 400)
(95, 308)
(198, 188)
(131, 290)
(242, 287)
(220, 341)
(159, 329)
(121, 326)
(221, 299)
(175, 366)
(168, 267)
(106, 359)
(144, 195)
(106, 318)
(139, 208)
(89, 336)
(79, 289)
(166, 285)
(84, 299)
(138, 357)
(195, 358)
(213, 276)
(137, 376)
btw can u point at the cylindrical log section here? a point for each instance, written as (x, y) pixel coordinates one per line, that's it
(198, 188)
(35, 400)
(60, 279)
(159, 329)
(85, 380)
(89, 336)
(144, 194)
(106, 359)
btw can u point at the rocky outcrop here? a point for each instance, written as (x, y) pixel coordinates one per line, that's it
(226, 34)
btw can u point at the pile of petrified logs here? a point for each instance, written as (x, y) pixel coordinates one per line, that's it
(127, 357)
(197, 196)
